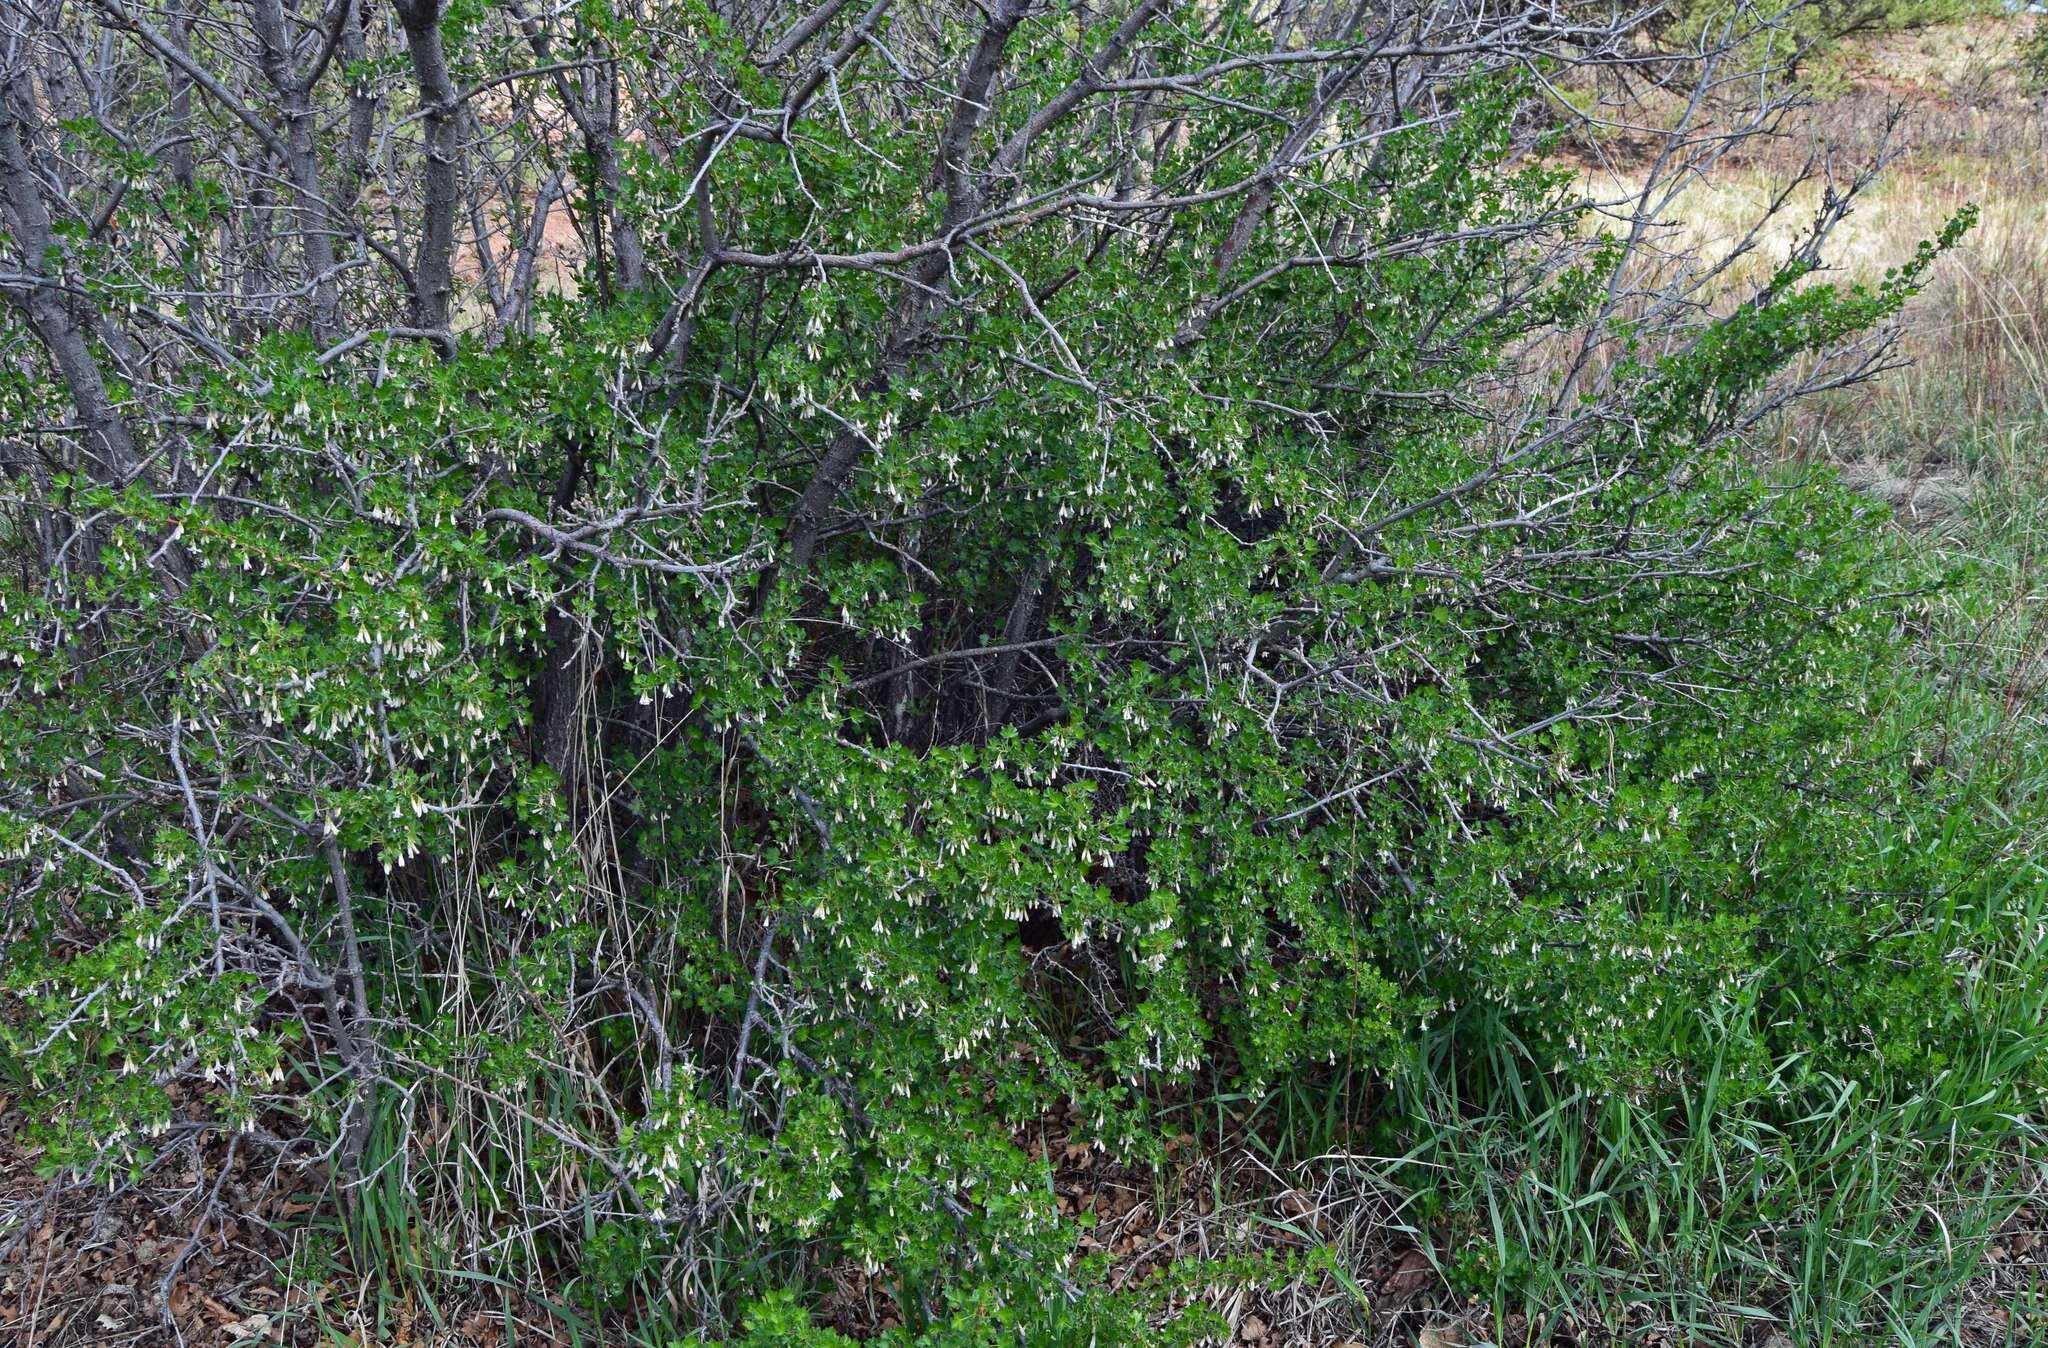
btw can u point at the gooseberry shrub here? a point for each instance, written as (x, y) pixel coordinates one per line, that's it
(1026, 561)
